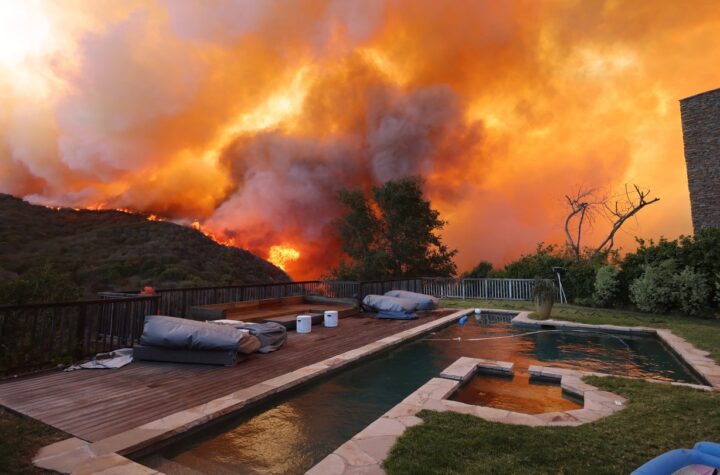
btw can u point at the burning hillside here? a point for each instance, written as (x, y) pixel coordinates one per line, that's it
(247, 117)
(110, 250)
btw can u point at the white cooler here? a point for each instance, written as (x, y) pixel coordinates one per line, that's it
(303, 324)
(331, 318)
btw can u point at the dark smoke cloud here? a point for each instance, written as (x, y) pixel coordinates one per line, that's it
(295, 180)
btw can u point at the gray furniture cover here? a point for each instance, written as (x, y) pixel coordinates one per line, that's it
(183, 334)
(424, 302)
(272, 336)
(391, 304)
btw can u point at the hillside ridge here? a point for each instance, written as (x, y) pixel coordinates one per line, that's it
(116, 250)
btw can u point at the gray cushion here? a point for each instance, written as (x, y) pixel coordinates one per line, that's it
(271, 335)
(180, 333)
(424, 301)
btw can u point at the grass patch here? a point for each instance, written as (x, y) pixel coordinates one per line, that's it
(21, 438)
(658, 418)
(703, 333)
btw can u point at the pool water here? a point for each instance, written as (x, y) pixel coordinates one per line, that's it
(519, 394)
(291, 434)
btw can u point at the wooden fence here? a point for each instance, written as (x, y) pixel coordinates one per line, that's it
(34, 337)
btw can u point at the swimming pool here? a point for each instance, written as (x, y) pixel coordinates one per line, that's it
(290, 434)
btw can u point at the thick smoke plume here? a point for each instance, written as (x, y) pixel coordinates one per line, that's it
(249, 116)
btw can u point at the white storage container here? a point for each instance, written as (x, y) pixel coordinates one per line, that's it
(331, 318)
(303, 324)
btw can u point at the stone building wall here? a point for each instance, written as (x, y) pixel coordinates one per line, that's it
(701, 136)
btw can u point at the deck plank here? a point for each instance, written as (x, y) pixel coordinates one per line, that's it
(94, 404)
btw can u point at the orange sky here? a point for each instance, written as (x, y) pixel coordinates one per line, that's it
(248, 116)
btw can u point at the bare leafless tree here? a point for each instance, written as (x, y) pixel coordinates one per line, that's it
(583, 206)
(634, 200)
(585, 203)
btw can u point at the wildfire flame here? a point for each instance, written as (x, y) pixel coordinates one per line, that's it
(282, 255)
(224, 241)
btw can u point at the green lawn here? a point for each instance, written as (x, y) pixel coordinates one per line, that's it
(658, 418)
(20, 438)
(703, 333)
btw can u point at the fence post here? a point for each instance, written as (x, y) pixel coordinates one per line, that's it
(361, 292)
(510, 288)
(80, 332)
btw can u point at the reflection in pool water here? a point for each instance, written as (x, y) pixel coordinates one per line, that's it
(290, 435)
(519, 394)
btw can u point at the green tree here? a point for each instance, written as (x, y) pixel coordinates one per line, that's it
(393, 233)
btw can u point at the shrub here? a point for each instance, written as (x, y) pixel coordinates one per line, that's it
(480, 271)
(700, 252)
(654, 290)
(39, 285)
(607, 285)
(579, 281)
(693, 291)
(540, 263)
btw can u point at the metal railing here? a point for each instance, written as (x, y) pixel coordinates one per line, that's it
(34, 337)
(485, 289)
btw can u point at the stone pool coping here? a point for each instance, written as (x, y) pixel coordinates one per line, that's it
(106, 456)
(695, 358)
(368, 449)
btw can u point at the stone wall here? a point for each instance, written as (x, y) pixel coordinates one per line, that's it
(701, 136)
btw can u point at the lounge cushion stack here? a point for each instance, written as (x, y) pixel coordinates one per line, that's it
(180, 340)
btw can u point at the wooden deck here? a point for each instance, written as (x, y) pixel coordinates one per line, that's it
(94, 404)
